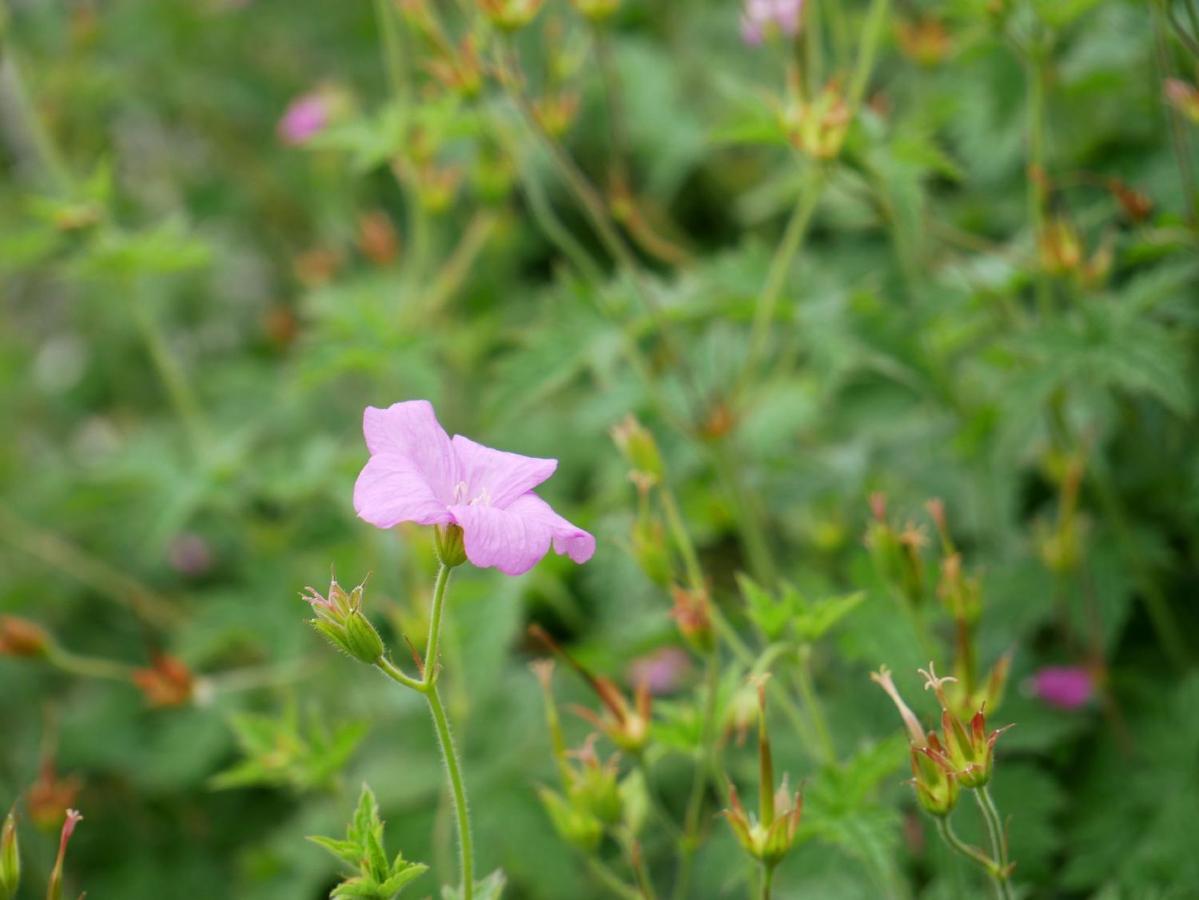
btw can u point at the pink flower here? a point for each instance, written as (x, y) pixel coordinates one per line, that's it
(760, 17)
(662, 671)
(305, 117)
(417, 473)
(1064, 687)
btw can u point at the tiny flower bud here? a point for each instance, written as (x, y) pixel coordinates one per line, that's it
(450, 545)
(10, 858)
(770, 835)
(575, 825)
(692, 612)
(968, 750)
(49, 794)
(818, 127)
(1183, 97)
(341, 621)
(377, 237)
(510, 15)
(639, 448)
(924, 41)
(168, 682)
(21, 637)
(596, 11)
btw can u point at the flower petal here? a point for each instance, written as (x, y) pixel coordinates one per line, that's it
(411, 430)
(499, 475)
(495, 537)
(390, 490)
(568, 538)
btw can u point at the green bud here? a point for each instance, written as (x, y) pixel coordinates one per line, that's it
(362, 641)
(640, 450)
(575, 825)
(451, 551)
(10, 859)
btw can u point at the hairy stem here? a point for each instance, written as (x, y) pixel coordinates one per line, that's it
(973, 854)
(998, 841)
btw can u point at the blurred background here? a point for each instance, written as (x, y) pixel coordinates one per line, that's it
(910, 250)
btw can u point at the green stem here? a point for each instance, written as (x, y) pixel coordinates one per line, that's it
(611, 880)
(813, 706)
(767, 881)
(1034, 62)
(682, 539)
(998, 840)
(872, 35)
(392, 53)
(449, 754)
(466, 852)
(973, 854)
(170, 373)
(89, 666)
(780, 265)
(691, 819)
(747, 509)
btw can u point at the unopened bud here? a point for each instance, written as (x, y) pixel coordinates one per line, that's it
(451, 546)
(639, 448)
(649, 549)
(168, 682)
(341, 621)
(597, 11)
(819, 127)
(692, 612)
(510, 15)
(377, 238)
(21, 637)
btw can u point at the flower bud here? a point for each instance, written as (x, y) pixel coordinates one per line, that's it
(1064, 687)
(770, 835)
(10, 858)
(575, 825)
(23, 638)
(639, 448)
(510, 15)
(648, 546)
(818, 127)
(933, 779)
(450, 545)
(596, 11)
(168, 682)
(692, 613)
(595, 787)
(1183, 97)
(340, 620)
(969, 750)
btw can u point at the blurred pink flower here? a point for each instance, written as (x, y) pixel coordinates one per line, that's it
(662, 671)
(1064, 687)
(189, 555)
(305, 117)
(417, 473)
(760, 17)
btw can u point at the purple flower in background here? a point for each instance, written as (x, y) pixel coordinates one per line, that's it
(1064, 687)
(759, 17)
(417, 473)
(662, 671)
(189, 554)
(304, 118)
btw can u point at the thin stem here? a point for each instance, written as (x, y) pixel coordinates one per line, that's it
(611, 880)
(691, 819)
(973, 854)
(813, 706)
(998, 840)
(170, 373)
(767, 881)
(466, 851)
(396, 674)
(682, 539)
(792, 240)
(89, 666)
(391, 49)
(451, 276)
(1036, 175)
(439, 588)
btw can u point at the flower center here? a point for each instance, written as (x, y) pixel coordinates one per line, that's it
(462, 495)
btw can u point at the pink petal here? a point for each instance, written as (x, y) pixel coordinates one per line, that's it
(568, 538)
(498, 538)
(411, 430)
(390, 490)
(496, 477)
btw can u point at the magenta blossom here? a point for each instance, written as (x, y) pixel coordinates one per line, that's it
(663, 671)
(760, 17)
(416, 473)
(1064, 687)
(305, 117)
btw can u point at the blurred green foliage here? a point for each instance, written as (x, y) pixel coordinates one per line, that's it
(992, 301)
